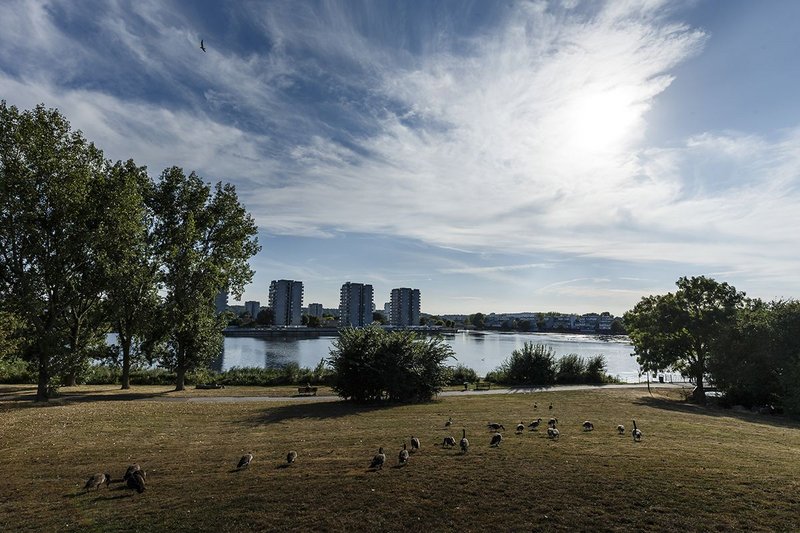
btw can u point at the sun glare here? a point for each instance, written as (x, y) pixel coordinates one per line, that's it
(602, 122)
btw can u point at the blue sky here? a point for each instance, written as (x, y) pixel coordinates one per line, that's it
(499, 156)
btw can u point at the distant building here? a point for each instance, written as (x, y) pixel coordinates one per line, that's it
(286, 301)
(253, 308)
(404, 307)
(221, 301)
(355, 305)
(315, 310)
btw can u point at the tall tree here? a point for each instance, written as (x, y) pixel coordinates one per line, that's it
(204, 242)
(681, 330)
(131, 267)
(49, 177)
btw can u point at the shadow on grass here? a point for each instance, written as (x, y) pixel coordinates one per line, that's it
(25, 397)
(679, 406)
(314, 410)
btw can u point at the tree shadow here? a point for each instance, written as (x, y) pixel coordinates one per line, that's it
(314, 411)
(679, 406)
(15, 400)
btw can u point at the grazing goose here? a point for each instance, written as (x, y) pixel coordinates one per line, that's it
(520, 427)
(496, 439)
(291, 457)
(535, 406)
(96, 480)
(553, 433)
(464, 442)
(588, 426)
(379, 459)
(449, 422)
(494, 426)
(551, 406)
(535, 424)
(449, 442)
(136, 482)
(621, 429)
(245, 461)
(131, 469)
(637, 433)
(414, 444)
(552, 423)
(403, 457)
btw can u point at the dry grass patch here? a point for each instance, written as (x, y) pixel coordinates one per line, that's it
(695, 469)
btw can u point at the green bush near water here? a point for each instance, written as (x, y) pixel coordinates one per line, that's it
(537, 365)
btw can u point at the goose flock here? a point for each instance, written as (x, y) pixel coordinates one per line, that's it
(134, 477)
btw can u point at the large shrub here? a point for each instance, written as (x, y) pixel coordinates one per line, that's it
(372, 364)
(533, 364)
(571, 369)
(462, 374)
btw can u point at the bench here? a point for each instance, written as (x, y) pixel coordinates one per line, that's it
(209, 386)
(307, 390)
(482, 385)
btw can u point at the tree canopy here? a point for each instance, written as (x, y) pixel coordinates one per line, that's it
(682, 330)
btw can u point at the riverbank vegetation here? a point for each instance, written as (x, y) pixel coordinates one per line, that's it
(537, 365)
(747, 348)
(691, 472)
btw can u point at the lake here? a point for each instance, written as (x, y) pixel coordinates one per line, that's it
(481, 351)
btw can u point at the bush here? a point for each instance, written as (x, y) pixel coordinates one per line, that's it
(533, 364)
(596, 370)
(461, 374)
(14, 371)
(571, 369)
(372, 364)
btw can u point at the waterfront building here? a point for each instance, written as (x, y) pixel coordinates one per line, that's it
(404, 307)
(253, 308)
(286, 301)
(315, 309)
(355, 305)
(221, 301)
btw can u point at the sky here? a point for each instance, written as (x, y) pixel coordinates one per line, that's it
(500, 156)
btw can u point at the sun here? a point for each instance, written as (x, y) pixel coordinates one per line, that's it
(598, 122)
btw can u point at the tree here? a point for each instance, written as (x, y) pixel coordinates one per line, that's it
(131, 268)
(477, 320)
(203, 242)
(265, 317)
(682, 330)
(371, 364)
(10, 341)
(50, 182)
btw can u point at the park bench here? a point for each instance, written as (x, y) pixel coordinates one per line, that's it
(482, 385)
(307, 390)
(209, 386)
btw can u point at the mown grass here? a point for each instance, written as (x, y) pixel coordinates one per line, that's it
(696, 469)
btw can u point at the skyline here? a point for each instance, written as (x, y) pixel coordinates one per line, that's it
(555, 156)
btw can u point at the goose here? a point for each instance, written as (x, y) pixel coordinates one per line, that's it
(588, 426)
(131, 469)
(621, 429)
(535, 424)
(202, 46)
(464, 442)
(449, 442)
(535, 406)
(245, 461)
(449, 422)
(414, 444)
(553, 433)
(291, 457)
(637, 433)
(496, 439)
(552, 423)
(96, 480)
(403, 457)
(520, 427)
(378, 460)
(136, 482)
(551, 406)
(494, 426)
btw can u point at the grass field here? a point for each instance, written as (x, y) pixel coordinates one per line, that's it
(696, 468)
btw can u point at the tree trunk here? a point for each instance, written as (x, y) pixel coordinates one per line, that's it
(699, 392)
(126, 362)
(180, 378)
(44, 379)
(71, 379)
